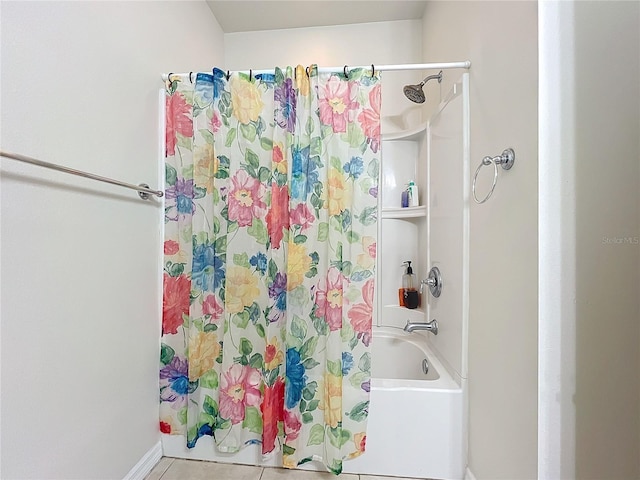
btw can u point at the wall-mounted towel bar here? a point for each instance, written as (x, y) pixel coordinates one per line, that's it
(143, 189)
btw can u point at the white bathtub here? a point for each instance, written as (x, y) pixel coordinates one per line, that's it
(415, 426)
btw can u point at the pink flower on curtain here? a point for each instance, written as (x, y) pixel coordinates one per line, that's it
(210, 306)
(246, 199)
(215, 122)
(328, 304)
(337, 103)
(369, 119)
(239, 388)
(278, 216)
(301, 215)
(292, 425)
(360, 314)
(179, 120)
(272, 409)
(171, 247)
(175, 302)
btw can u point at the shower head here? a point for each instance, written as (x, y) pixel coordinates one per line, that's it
(415, 92)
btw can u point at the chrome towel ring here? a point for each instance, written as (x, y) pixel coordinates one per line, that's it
(506, 160)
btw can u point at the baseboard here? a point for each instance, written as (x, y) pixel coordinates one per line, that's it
(468, 475)
(146, 463)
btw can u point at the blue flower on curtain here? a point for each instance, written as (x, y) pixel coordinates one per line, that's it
(296, 379)
(207, 271)
(304, 173)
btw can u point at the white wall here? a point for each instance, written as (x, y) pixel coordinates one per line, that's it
(80, 289)
(593, 423)
(500, 39)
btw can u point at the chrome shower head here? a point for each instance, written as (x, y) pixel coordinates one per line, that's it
(415, 92)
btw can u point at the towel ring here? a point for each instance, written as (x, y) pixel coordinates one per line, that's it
(506, 160)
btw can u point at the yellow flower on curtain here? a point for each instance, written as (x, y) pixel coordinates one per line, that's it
(203, 351)
(204, 166)
(367, 259)
(302, 80)
(245, 99)
(298, 265)
(273, 356)
(331, 399)
(339, 195)
(242, 289)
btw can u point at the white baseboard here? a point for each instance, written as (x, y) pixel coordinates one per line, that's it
(468, 475)
(146, 463)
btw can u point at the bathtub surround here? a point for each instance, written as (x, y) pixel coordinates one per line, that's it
(270, 248)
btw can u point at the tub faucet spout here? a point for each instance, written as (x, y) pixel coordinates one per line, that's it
(431, 326)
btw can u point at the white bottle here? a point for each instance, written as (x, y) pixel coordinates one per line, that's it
(413, 194)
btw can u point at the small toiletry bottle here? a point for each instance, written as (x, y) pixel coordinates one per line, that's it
(404, 199)
(409, 287)
(413, 194)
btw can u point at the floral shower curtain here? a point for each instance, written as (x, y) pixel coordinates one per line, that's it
(270, 245)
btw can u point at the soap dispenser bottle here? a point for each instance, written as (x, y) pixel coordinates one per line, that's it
(409, 292)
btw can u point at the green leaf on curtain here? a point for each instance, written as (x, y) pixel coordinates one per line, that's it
(176, 269)
(184, 142)
(216, 220)
(353, 342)
(209, 379)
(368, 216)
(321, 326)
(182, 416)
(258, 231)
(315, 149)
(231, 136)
(206, 419)
(166, 354)
(309, 126)
(232, 226)
(210, 327)
(249, 132)
(365, 362)
(312, 405)
(334, 367)
(198, 324)
(298, 328)
(220, 245)
(309, 347)
(373, 169)
(246, 347)
(199, 192)
(251, 158)
(361, 275)
(266, 144)
(359, 412)
(210, 406)
(310, 363)
(273, 376)
(309, 391)
(326, 131)
(264, 174)
(302, 405)
(260, 331)
(273, 269)
(261, 125)
(223, 167)
(323, 231)
(256, 361)
(287, 450)
(241, 259)
(336, 163)
(359, 378)
(241, 320)
(252, 420)
(206, 135)
(346, 332)
(171, 175)
(299, 239)
(316, 435)
(353, 237)
(307, 417)
(254, 312)
(338, 436)
(354, 136)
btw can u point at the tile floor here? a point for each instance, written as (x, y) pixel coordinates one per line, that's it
(178, 469)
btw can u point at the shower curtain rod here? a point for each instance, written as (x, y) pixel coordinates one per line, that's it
(408, 66)
(143, 189)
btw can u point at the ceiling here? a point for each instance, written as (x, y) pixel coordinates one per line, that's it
(251, 15)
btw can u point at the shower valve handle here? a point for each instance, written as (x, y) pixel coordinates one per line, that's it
(433, 281)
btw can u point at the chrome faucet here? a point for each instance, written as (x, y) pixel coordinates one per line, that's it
(432, 326)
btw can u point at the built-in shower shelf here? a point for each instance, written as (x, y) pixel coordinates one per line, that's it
(410, 134)
(403, 314)
(409, 212)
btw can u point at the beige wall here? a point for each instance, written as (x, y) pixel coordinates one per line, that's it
(607, 192)
(80, 260)
(500, 39)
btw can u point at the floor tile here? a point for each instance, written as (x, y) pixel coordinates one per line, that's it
(197, 470)
(159, 469)
(288, 474)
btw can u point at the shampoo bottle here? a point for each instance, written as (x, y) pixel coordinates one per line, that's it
(413, 194)
(410, 294)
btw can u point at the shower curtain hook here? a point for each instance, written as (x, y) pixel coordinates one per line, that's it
(306, 70)
(346, 72)
(191, 77)
(250, 74)
(228, 74)
(373, 71)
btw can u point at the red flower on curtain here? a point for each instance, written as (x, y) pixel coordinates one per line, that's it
(272, 409)
(175, 302)
(360, 314)
(278, 216)
(369, 119)
(178, 121)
